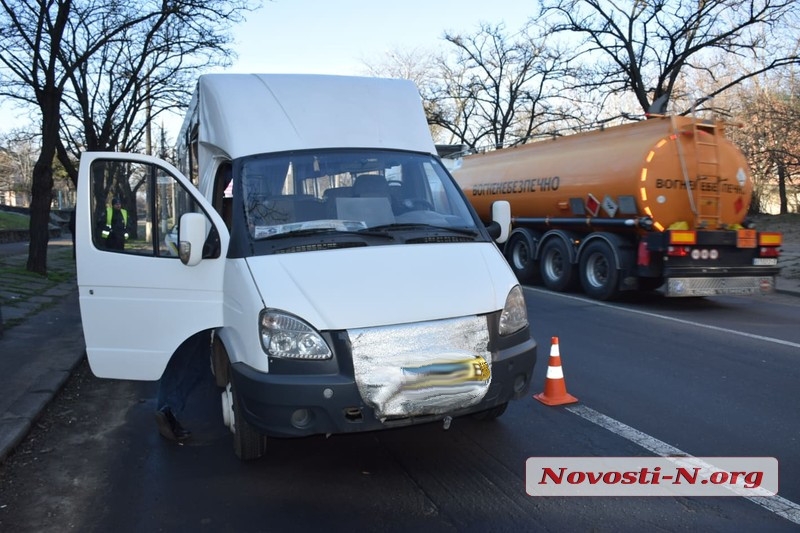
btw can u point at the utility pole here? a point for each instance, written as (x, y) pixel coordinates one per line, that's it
(148, 140)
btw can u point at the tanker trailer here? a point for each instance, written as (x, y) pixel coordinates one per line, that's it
(633, 207)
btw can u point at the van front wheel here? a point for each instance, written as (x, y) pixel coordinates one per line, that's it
(248, 444)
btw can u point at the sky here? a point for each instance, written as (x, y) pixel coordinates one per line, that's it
(338, 36)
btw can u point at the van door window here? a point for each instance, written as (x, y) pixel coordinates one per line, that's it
(137, 208)
(436, 190)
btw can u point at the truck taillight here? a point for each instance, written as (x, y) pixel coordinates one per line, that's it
(769, 251)
(768, 243)
(678, 251)
(705, 254)
(643, 257)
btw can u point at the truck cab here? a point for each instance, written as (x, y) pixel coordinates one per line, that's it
(346, 283)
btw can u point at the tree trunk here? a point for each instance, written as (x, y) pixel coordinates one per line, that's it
(41, 193)
(782, 188)
(42, 186)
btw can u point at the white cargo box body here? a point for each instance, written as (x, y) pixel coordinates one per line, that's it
(348, 283)
(253, 114)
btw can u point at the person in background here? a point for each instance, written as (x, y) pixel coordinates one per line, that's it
(187, 368)
(115, 227)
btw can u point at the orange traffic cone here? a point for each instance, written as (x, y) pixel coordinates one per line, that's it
(555, 390)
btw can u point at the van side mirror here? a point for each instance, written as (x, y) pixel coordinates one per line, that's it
(191, 237)
(500, 227)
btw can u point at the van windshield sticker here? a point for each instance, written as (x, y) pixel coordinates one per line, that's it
(263, 232)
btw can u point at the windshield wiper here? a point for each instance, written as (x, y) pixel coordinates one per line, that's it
(430, 227)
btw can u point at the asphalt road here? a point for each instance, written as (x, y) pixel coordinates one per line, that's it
(707, 377)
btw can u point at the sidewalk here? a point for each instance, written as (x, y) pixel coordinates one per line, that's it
(789, 280)
(42, 336)
(42, 339)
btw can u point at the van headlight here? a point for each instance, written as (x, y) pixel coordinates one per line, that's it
(515, 315)
(288, 337)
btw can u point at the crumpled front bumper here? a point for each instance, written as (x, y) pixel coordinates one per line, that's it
(389, 377)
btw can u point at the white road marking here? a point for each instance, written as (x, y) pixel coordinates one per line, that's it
(775, 504)
(672, 319)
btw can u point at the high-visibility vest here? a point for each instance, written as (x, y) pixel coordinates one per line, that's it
(106, 233)
(110, 215)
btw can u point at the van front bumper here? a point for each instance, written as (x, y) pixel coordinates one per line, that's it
(303, 404)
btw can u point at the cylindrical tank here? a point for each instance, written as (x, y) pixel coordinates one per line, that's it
(677, 170)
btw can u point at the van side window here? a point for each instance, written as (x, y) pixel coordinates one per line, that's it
(223, 193)
(146, 219)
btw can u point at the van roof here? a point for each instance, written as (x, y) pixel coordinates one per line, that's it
(245, 114)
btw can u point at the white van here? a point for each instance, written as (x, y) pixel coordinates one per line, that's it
(346, 282)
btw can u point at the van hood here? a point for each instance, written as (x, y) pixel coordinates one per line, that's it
(382, 285)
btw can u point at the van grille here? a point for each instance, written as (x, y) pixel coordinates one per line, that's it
(440, 239)
(315, 247)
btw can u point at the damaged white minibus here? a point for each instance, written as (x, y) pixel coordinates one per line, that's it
(314, 233)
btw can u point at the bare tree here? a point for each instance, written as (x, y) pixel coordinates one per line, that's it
(44, 46)
(117, 96)
(498, 90)
(18, 151)
(643, 47)
(149, 71)
(417, 65)
(770, 139)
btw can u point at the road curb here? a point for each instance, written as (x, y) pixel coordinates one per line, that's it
(39, 356)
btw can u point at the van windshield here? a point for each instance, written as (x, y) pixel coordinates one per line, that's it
(370, 193)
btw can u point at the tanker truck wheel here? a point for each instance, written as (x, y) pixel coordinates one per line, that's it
(519, 253)
(558, 273)
(599, 271)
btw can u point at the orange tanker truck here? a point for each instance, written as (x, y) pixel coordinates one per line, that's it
(632, 207)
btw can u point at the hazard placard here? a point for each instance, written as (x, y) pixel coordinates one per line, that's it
(609, 206)
(592, 205)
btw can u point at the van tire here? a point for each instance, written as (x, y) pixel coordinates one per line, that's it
(220, 363)
(248, 444)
